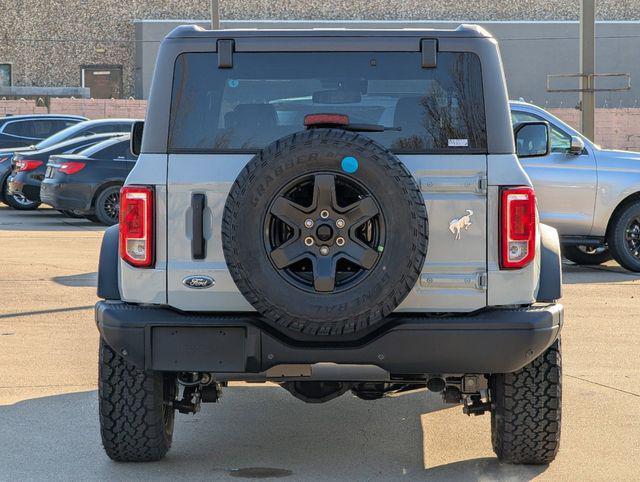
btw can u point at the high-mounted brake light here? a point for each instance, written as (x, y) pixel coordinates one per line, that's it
(24, 165)
(317, 120)
(71, 167)
(517, 227)
(136, 226)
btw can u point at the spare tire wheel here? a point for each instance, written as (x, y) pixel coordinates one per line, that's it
(325, 232)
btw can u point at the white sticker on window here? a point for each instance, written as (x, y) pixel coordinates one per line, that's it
(458, 142)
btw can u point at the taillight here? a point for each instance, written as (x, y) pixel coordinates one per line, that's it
(517, 227)
(136, 226)
(24, 165)
(71, 167)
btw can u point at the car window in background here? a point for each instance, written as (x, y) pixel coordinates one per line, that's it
(44, 128)
(560, 140)
(118, 150)
(263, 99)
(68, 133)
(106, 128)
(19, 128)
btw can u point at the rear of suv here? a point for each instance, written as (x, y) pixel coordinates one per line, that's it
(331, 211)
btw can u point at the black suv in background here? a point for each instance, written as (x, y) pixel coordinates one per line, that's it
(82, 129)
(88, 183)
(25, 130)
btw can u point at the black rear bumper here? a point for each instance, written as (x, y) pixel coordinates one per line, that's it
(491, 341)
(67, 196)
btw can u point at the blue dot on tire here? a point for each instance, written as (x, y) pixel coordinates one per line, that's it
(349, 164)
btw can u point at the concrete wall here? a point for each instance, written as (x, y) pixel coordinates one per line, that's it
(530, 51)
(48, 41)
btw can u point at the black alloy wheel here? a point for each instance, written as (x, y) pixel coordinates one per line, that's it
(632, 237)
(107, 206)
(624, 236)
(324, 232)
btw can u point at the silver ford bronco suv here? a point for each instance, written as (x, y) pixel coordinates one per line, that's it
(331, 211)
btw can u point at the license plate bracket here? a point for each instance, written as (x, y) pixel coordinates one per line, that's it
(207, 348)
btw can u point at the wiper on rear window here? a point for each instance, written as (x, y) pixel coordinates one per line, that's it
(369, 128)
(341, 121)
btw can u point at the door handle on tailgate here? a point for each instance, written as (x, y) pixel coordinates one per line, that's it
(198, 243)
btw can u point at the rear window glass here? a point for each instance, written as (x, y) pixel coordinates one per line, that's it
(265, 96)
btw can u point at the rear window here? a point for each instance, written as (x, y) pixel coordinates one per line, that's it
(265, 96)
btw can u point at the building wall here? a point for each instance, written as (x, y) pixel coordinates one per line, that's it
(47, 41)
(530, 51)
(423, 10)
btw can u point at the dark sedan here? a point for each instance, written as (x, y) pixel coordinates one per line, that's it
(82, 129)
(25, 130)
(89, 183)
(29, 168)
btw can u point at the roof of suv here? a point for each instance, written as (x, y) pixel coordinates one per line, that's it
(462, 31)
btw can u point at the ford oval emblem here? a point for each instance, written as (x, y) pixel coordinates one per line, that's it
(198, 282)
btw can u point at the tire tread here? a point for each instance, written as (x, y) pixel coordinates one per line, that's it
(131, 410)
(525, 420)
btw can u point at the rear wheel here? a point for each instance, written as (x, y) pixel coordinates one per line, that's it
(587, 255)
(107, 206)
(136, 409)
(526, 410)
(624, 238)
(16, 201)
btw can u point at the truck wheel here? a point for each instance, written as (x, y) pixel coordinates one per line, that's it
(107, 206)
(18, 202)
(624, 238)
(526, 409)
(136, 414)
(325, 233)
(587, 255)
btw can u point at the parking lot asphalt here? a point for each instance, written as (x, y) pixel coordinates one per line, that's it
(48, 380)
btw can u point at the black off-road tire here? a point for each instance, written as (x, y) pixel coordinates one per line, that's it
(136, 415)
(526, 411)
(338, 315)
(620, 229)
(579, 255)
(11, 201)
(103, 212)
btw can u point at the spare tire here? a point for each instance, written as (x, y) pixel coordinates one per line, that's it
(325, 233)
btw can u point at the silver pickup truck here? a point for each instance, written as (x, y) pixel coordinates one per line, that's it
(589, 194)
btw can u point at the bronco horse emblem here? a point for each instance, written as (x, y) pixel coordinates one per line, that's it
(456, 225)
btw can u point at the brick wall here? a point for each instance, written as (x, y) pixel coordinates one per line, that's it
(18, 107)
(91, 108)
(100, 108)
(615, 128)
